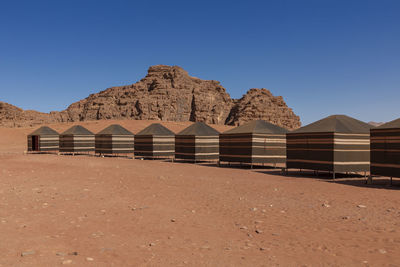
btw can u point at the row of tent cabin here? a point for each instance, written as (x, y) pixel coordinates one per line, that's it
(336, 144)
(255, 142)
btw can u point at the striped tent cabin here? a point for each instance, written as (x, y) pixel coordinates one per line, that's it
(114, 139)
(43, 139)
(198, 142)
(385, 150)
(155, 141)
(77, 139)
(337, 144)
(254, 142)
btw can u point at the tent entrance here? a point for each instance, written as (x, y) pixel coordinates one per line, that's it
(35, 143)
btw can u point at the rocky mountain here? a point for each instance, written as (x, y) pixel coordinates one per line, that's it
(260, 104)
(12, 116)
(166, 93)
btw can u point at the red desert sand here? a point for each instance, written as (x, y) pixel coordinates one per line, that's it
(93, 211)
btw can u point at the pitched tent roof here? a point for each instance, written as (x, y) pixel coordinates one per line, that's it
(115, 129)
(78, 130)
(199, 129)
(257, 127)
(156, 129)
(337, 124)
(390, 125)
(44, 130)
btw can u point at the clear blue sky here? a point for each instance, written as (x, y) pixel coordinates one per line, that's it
(323, 56)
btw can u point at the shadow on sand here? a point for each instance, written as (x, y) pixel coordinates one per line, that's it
(351, 179)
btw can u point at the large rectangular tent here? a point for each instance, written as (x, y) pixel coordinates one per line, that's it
(43, 139)
(155, 141)
(385, 150)
(198, 142)
(254, 142)
(77, 139)
(338, 144)
(114, 139)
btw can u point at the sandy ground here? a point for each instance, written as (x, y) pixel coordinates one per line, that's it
(91, 211)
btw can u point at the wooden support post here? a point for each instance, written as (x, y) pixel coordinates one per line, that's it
(334, 176)
(391, 181)
(369, 180)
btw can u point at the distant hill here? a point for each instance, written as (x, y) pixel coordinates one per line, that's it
(376, 124)
(167, 93)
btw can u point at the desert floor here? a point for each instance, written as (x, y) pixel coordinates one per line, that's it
(92, 211)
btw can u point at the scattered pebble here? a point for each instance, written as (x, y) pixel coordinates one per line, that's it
(382, 251)
(61, 254)
(254, 209)
(326, 205)
(345, 217)
(258, 231)
(73, 253)
(361, 206)
(152, 244)
(243, 227)
(67, 262)
(89, 259)
(173, 220)
(27, 253)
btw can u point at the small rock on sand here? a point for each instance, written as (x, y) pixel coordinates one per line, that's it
(89, 259)
(361, 206)
(67, 262)
(27, 253)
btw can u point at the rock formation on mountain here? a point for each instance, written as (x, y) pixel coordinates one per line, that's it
(12, 116)
(260, 104)
(166, 93)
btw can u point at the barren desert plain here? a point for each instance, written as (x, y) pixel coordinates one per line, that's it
(90, 211)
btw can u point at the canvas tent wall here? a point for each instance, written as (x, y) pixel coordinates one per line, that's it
(336, 144)
(155, 141)
(385, 149)
(43, 139)
(114, 139)
(198, 142)
(77, 139)
(254, 142)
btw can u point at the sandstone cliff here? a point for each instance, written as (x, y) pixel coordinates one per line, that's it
(260, 104)
(166, 93)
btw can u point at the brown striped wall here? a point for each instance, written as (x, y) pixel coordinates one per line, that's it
(197, 148)
(154, 146)
(114, 144)
(252, 148)
(46, 143)
(385, 152)
(334, 152)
